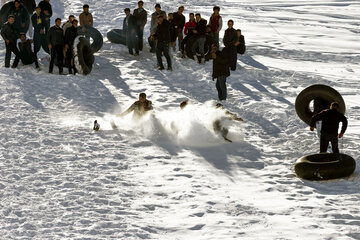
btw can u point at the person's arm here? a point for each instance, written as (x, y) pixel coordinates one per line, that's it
(81, 19)
(186, 28)
(144, 19)
(91, 22)
(315, 118)
(48, 38)
(129, 110)
(220, 25)
(344, 126)
(34, 20)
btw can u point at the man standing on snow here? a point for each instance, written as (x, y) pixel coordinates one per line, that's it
(86, 18)
(20, 15)
(216, 24)
(162, 36)
(9, 35)
(220, 71)
(241, 48)
(231, 41)
(129, 28)
(200, 33)
(188, 31)
(30, 7)
(329, 127)
(154, 21)
(55, 38)
(141, 19)
(179, 22)
(139, 107)
(70, 35)
(38, 22)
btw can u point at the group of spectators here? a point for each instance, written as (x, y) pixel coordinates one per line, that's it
(56, 40)
(166, 29)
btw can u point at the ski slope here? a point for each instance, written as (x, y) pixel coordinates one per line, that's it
(170, 176)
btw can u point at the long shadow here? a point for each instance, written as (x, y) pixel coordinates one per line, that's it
(247, 59)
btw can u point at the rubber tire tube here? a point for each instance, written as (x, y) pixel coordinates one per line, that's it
(95, 35)
(83, 55)
(116, 36)
(4, 12)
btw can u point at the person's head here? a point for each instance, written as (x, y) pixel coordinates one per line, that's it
(160, 19)
(86, 8)
(208, 28)
(58, 22)
(71, 18)
(191, 17)
(142, 97)
(335, 106)
(180, 9)
(22, 37)
(140, 4)
(38, 10)
(183, 104)
(127, 11)
(157, 7)
(238, 31)
(74, 23)
(11, 19)
(170, 16)
(17, 4)
(47, 0)
(230, 23)
(197, 17)
(216, 10)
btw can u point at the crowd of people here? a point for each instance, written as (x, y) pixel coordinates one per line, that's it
(56, 40)
(165, 30)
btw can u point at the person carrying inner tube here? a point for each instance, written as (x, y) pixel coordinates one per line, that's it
(20, 14)
(139, 107)
(27, 56)
(329, 128)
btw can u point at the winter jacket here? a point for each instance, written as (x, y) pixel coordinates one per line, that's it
(230, 37)
(216, 23)
(162, 33)
(189, 26)
(20, 15)
(26, 53)
(45, 6)
(179, 20)
(129, 24)
(29, 5)
(86, 19)
(154, 19)
(8, 32)
(330, 121)
(241, 48)
(38, 22)
(220, 65)
(201, 27)
(70, 35)
(55, 36)
(141, 17)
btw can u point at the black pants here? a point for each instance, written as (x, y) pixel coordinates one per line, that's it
(11, 47)
(57, 51)
(163, 48)
(152, 45)
(29, 58)
(231, 54)
(69, 61)
(221, 87)
(324, 142)
(131, 42)
(184, 42)
(140, 34)
(40, 41)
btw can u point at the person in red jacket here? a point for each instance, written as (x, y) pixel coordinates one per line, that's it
(329, 127)
(188, 31)
(216, 24)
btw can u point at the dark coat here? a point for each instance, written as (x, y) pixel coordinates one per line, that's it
(27, 56)
(201, 27)
(132, 24)
(70, 35)
(241, 48)
(179, 20)
(45, 6)
(330, 121)
(8, 32)
(20, 15)
(172, 30)
(141, 17)
(230, 37)
(30, 5)
(162, 33)
(220, 65)
(38, 26)
(55, 36)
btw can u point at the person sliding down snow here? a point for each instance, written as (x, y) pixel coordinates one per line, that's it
(139, 107)
(217, 125)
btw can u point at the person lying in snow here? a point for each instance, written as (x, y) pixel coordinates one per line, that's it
(139, 107)
(217, 125)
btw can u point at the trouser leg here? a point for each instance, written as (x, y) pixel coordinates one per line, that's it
(324, 142)
(140, 34)
(159, 50)
(194, 46)
(201, 42)
(7, 55)
(60, 57)
(218, 88)
(17, 56)
(334, 144)
(180, 37)
(222, 86)
(166, 53)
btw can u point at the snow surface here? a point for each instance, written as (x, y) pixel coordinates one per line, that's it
(170, 176)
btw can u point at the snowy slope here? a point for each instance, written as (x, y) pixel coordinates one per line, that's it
(60, 180)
